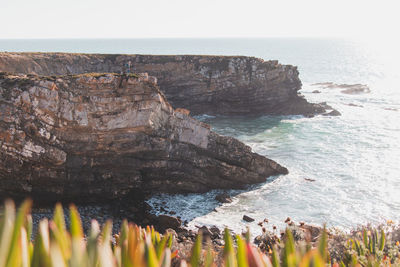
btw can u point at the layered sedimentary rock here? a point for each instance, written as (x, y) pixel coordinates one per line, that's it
(230, 85)
(103, 136)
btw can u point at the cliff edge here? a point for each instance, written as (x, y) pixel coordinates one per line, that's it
(226, 85)
(94, 137)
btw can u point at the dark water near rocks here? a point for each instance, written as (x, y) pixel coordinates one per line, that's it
(354, 159)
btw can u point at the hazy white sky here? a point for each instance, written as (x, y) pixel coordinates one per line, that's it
(201, 18)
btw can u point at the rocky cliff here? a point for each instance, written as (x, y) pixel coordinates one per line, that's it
(97, 137)
(230, 85)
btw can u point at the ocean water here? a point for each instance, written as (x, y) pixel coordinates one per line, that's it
(353, 159)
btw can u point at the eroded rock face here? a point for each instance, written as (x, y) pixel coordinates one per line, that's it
(97, 137)
(230, 85)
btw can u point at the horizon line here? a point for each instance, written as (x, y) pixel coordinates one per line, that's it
(138, 38)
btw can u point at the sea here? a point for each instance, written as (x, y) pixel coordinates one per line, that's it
(344, 171)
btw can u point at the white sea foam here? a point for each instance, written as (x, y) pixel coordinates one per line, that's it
(204, 117)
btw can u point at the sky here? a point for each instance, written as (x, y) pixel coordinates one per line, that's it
(197, 19)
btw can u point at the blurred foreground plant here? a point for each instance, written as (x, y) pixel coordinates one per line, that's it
(54, 245)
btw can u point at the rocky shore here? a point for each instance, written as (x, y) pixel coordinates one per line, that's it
(226, 85)
(184, 237)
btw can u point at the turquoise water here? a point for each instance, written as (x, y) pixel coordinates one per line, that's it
(354, 158)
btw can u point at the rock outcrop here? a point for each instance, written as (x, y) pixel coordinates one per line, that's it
(349, 89)
(229, 85)
(95, 137)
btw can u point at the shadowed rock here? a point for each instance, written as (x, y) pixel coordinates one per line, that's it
(97, 137)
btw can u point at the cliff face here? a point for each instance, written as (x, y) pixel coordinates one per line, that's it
(103, 136)
(230, 85)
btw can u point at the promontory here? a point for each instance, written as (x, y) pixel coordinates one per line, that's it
(224, 85)
(92, 137)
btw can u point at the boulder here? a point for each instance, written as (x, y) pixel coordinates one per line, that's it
(164, 222)
(247, 218)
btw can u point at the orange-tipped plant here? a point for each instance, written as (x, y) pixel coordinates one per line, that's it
(55, 245)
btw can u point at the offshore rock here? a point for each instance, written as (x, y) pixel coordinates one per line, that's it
(248, 219)
(96, 137)
(350, 89)
(228, 85)
(223, 198)
(332, 113)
